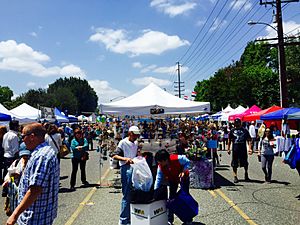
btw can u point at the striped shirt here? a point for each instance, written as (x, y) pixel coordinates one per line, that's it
(41, 170)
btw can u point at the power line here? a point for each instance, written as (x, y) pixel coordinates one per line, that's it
(192, 54)
(194, 41)
(225, 52)
(224, 32)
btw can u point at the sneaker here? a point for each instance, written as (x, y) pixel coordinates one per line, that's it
(235, 180)
(85, 183)
(170, 223)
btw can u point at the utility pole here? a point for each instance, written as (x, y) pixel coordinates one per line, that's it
(178, 72)
(179, 82)
(281, 51)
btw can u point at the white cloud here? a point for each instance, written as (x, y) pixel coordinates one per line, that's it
(169, 70)
(218, 24)
(148, 68)
(163, 70)
(33, 34)
(104, 90)
(147, 80)
(137, 65)
(30, 84)
(14, 96)
(72, 71)
(199, 23)
(237, 4)
(149, 42)
(22, 58)
(172, 8)
(289, 28)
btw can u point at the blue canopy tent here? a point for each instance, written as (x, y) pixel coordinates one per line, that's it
(294, 116)
(5, 117)
(72, 119)
(59, 116)
(280, 114)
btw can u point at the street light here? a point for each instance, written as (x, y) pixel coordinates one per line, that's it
(251, 22)
(281, 58)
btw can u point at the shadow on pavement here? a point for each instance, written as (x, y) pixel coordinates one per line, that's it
(196, 223)
(221, 181)
(63, 177)
(280, 182)
(252, 181)
(64, 190)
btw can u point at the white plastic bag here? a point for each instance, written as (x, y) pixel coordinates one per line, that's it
(141, 177)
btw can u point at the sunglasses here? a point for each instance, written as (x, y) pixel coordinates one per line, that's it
(24, 135)
(78, 132)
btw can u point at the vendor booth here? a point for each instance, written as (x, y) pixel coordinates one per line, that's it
(26, 111)
(153, 97)
(250, 111)
(256, 116)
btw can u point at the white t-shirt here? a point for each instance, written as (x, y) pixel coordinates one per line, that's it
(129, 149)
(56, 138)
(10, 144)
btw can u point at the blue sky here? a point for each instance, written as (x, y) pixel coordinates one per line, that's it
(120, 46)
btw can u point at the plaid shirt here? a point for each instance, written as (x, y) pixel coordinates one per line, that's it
(42, 170)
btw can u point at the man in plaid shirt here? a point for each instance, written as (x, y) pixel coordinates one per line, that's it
(39, 184)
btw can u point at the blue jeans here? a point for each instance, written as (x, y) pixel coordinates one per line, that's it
(126, 174)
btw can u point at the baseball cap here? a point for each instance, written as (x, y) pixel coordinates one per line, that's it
(134, 129)
(24, 152)
(237, 120)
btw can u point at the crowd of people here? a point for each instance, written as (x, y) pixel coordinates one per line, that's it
(30, 157)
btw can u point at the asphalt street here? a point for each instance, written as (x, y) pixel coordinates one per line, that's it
(251, 202)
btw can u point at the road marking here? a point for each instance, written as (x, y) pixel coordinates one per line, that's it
(233, 205)
(212, 193)
(85, 201)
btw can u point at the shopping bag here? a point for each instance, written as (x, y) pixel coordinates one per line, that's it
(141, 175)
(85, 156)
(64, 150)
(184, 206)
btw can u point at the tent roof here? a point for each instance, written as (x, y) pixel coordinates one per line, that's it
(27, 111)
(280, 114)
(225, 116)
(253, 109)
(4, 117)
(256, 116)
(294, 116)
(151, 96)
(59, 116)
(228, 109)
(13, 115)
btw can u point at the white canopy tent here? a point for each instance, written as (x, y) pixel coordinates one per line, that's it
(225, 116)
(15, 116)
(150, 97)
(26, 111)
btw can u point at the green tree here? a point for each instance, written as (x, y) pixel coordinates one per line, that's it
(292, 54)
(37, 97)
(5, 95)
(86, 97)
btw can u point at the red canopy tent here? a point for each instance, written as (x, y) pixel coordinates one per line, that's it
(256, 116)
(253, 109)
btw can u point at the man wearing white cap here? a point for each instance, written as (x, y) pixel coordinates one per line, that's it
(127, 149)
